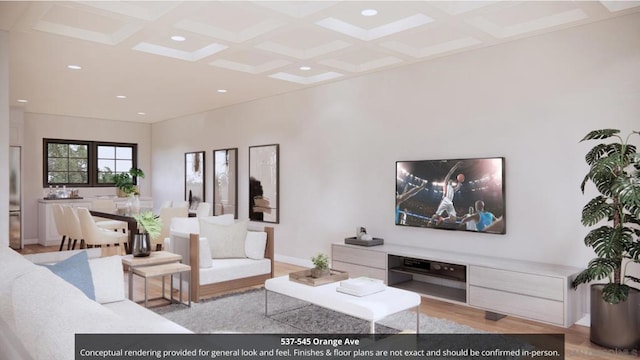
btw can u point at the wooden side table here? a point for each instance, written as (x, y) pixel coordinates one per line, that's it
(155, 258)
(163, 270)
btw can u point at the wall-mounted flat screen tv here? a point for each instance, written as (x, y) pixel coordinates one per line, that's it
(454, 194)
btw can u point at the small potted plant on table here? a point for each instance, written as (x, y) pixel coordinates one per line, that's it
(149, 227)
(321, 266)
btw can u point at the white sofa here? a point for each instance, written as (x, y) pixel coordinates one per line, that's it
(206, 244)
(40, 312)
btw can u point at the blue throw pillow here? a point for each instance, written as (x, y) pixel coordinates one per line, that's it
(76, 271)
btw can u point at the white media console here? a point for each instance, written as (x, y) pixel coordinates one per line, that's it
(530, 290)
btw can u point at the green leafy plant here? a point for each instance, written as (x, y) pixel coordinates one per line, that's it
(126, 181)
(149, 223)
(614, 169)
(320, 261)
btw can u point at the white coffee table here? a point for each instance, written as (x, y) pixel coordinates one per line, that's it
(373, 308)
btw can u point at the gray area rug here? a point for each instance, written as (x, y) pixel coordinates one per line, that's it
(245, 313)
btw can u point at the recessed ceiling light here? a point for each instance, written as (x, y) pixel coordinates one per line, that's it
(22, 101)
(222, 90)
(142, 113)
(121, 96)
(74, 67)
(369, 12)
(178, 38)
(305, 68)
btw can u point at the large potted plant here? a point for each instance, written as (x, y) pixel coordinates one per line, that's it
(149, 227)
(125, 182)
(614, 169)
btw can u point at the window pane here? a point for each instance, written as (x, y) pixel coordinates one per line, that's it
(78, 178)
(124, 153)
(105, 177)
(57, 150)
(77, 164)
(57, 177)
(123, 165)
(106, 165)
(106, 152)
(58, 164)
(78, 151)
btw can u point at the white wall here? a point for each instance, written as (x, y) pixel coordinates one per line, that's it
(530, 101)
(40, 126)
(4, 138)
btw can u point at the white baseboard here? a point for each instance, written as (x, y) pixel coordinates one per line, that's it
(585, 321)
(29, 241)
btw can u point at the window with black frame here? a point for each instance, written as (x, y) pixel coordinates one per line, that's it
(67, 163)
(113, 159)
(83, 163)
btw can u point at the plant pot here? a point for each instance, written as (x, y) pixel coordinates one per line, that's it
(615, 326)
(141, 245)
(318, 273)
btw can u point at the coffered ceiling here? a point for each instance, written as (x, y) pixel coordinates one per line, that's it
(229, 52)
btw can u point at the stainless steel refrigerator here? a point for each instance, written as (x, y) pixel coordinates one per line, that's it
(15, 197)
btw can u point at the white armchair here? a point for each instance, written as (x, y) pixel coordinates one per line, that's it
(214, 268)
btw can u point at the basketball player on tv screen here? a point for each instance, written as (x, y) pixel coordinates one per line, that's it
(448, 191)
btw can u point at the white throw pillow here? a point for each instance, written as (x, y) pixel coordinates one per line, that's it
(225, 241)
(204, 253)
(255, 244)
(108, 279)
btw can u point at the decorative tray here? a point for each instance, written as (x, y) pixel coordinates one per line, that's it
(356, 241)
(304, 277)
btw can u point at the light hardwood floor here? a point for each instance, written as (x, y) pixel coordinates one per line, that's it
(577, 344)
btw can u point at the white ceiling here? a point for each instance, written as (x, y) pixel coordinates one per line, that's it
(253, 49)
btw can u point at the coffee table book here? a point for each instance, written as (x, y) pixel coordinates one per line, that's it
(304, 277)
(361, 286)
